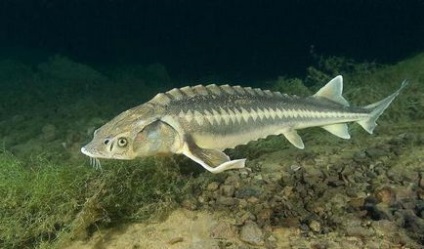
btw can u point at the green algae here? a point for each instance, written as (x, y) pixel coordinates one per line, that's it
(46, 204)
(39, 199)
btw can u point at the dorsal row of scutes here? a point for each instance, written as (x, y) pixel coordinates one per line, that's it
(333, 91)
(210, 90)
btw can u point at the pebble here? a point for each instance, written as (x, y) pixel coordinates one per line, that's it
(357, 203)
(247, 192)
(204, 244)
(360, 157)
(315, 226)
(233, 180)
(227, 201)
(353, 227)
(375, 153)
(175, 240)
(222, 230)
(189, 203)
(244, 217)
(386, 195)
(212, 186)
(227, 190)
(264, 215)
(252, 234)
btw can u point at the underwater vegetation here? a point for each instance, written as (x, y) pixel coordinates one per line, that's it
(52, 197)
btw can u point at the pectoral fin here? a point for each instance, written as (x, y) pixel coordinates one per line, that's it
(214, 161)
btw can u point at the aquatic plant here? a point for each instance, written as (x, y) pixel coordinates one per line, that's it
(48, 204)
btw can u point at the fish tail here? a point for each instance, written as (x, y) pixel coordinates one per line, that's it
(376, 109)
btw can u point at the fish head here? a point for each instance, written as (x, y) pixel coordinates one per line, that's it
(110, 146)
(115, 139)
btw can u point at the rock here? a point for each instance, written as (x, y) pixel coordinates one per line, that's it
(212, 186)
(386, 195)
(189, 203)
(222, 230)
(253, 200)
(287, 191)
(233, 180)
(264, 216)
(227, 201)
(357, 203)
(387, 228)
(419, 207)
(204, 244)
(353, 227)
(375, 153)
(175, 240)
(252, 234)
(315, 226)
(360, 157)
(243, 217)
(377, 211)
(227, 190)
(247, 192)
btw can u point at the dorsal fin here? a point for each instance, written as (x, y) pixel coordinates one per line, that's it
(333, 91)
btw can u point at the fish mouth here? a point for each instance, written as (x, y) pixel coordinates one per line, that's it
(94, 160)
(86, 152)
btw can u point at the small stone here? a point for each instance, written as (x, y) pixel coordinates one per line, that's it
(175, 240)
(227, 201)
(190, 204)
(386, 195)
(252, 200)
(244, 217)
(264, 215)
(287, 191)
(258, 177)
(360, 157)
(315, 226)
(227, 190)
(353, 227)
(242, 203)
(212, 186)
(222, 230)
(202, 243)
(375, 152)
(247, 192)
(252, 234)
(357, 203)
(233, 180)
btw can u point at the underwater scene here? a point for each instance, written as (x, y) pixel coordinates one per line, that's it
(108, 141)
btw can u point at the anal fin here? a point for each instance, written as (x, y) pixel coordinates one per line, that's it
(340, 130)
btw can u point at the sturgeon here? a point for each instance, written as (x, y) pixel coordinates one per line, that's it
(201, 121)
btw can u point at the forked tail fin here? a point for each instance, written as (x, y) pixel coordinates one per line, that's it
(377, 109)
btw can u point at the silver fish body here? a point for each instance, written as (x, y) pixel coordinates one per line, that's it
(201, 121)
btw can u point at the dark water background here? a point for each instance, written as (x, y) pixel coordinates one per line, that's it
(230, 40)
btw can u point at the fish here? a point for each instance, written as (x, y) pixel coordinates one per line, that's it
(200, 122)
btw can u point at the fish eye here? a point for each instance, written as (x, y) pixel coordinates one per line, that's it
(122, 142)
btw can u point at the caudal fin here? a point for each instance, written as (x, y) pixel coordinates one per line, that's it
(377, 109)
